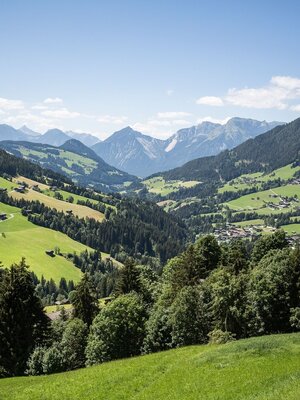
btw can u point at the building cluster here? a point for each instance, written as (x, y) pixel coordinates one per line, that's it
(284, 202)
(230, 231)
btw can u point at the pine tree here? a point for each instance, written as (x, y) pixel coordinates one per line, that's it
(23, 323)
(85, 301)
(129, 279)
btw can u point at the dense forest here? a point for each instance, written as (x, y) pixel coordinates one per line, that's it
(208, 293)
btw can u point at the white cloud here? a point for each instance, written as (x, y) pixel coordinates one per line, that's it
(39, 107)
(53, 100)
(213, 120)
(112, 119)
(60, 113)
(173, 114)
(286, 82)
(268, 97)
(210, 101)
(296, 108)
(274, 95)
(6, 104)
(169, 92)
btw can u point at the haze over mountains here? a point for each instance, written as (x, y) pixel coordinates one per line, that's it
(53, 137)
(142, 155)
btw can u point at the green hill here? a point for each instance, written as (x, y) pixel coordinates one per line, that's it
(73, 160)
(21, 238)
(263, 368)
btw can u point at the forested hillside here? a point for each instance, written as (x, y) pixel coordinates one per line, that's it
(131, 226)
(73, 160)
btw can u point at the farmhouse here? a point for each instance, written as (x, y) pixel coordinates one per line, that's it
(35, 188)
(3, 216)
(20, 189)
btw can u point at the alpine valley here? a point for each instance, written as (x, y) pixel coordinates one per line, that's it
(101, 265)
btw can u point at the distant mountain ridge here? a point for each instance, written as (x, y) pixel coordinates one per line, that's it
(144, 155)
(53, 137)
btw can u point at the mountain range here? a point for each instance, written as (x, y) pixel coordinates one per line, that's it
(274, 149)
(143, 155)
(53, 137)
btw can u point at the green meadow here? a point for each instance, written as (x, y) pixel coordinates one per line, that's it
(262, 368)
(259, 199)
(158, 185)
(20, 238)
(247, 181)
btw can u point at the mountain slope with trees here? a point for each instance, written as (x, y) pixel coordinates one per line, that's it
(276, 148)
(74, 160)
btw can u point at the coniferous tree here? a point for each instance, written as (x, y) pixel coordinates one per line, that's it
(85, 301)
(129, 279)
(23, 323)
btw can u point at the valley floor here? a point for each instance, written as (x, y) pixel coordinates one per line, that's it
(264, 368)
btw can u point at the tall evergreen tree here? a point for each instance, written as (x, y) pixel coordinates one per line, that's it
(85, 301)
(23, 323)
(129, 279)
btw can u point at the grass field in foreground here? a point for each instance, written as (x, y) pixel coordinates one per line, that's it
(20, 238)
(264, 368)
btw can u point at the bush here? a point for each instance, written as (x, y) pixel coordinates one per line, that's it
(295, 318)
(220, 337)
(53, 360)
(35, 362)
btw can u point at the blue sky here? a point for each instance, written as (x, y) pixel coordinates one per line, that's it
(97, 66)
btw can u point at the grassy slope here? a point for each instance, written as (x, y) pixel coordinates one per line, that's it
(79, 210)
(86, 163)
(283, 173)
(265, 368)
(45, 189)
(23, 239)
(257, 200)
(158, 185)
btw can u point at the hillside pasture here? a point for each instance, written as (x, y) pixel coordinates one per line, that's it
(247, 181)
(60, 205)
(158, 185)
(258, 201)
(20, 238)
